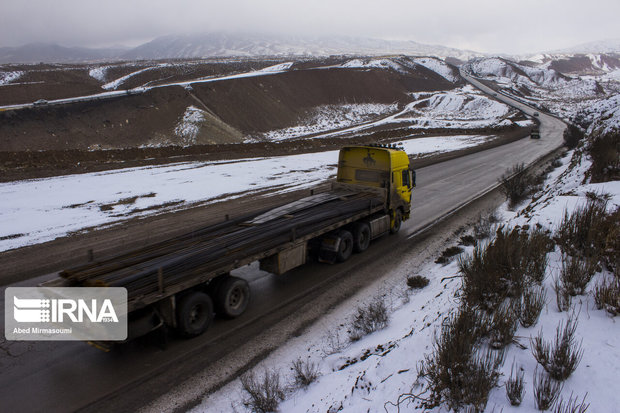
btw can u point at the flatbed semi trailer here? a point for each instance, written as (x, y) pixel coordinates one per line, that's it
(182, 282)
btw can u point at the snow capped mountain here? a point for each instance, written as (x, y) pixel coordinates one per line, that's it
(499, 68)
(579, 64)
(603, 46)
(224, 44)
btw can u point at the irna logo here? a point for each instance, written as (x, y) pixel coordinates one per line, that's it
(65, 313)
(32, 310)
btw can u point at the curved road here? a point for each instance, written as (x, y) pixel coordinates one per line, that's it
(69, 376)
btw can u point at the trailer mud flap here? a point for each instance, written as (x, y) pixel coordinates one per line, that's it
(328, 252)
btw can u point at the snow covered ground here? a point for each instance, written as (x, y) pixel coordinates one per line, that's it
(39, 210)
(365, 376)
(460, 108)
(464, 108)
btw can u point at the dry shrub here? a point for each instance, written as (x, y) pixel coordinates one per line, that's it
(265, 393)
(503, 268)
(584, 232)
(607, 296)
(611, 250)
(368, 319)
(504, 324)
(417, 282)
(532, 303)
(517, 184)
(605, 154)
(456, 373)
(305, 372)
(572, 405)
(546, 390)
(447, 254)
(560, 358)
(515, 386)
(575, 275)
(484, 225)
(572, 136)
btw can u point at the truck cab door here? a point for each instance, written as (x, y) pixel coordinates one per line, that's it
(404, 183)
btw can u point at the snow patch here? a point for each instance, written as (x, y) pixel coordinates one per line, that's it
(187, 129)
(278, 68)
(118, 82)
(330, 117)
(98, 73)
(438, 66)
(8, 77)
(385, 64)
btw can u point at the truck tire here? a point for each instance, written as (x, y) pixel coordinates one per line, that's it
(194, 314)
(398, 220)
(232, 298)
(346, 245)
(361, 236)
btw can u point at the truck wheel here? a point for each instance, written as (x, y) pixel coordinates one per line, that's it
(232, 298)
(398, 219)
(194, 314)
(361, 236)
(346, 246)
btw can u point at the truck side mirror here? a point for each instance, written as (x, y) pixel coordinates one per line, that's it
(412, 177)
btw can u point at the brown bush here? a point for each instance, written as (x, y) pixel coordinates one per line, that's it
(605, 154)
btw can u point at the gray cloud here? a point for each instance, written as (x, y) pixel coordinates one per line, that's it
(483, 25)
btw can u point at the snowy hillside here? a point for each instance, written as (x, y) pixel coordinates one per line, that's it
(540, 85)
(379, 372)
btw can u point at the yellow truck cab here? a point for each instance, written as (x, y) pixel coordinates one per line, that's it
(380, 166)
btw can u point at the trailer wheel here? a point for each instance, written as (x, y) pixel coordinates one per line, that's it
(361, 236)
(194, 314)
(398, 220)
(232, 298)
(346, 245)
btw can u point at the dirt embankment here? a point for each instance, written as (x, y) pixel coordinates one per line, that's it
(130, 129)
(248, 105)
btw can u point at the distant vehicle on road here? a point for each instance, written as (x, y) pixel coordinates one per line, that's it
(40, 102)
(535, 134)
(536, 113)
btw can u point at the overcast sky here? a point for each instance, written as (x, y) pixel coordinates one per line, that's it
(493, 26)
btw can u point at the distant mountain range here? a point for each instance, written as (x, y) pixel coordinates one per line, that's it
(603, 46)
(227, 45)
(53, 53)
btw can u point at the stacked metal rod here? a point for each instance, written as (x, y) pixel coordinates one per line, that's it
(209, 249)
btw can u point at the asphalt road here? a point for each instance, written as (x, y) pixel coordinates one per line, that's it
(69, 376)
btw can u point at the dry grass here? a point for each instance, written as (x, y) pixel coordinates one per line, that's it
(607, 296)
(305, 372)
(504, 268)
(515, 386)
(264, 393)
(517, 184)
(368, 319)
(560, 358)
(456, 373)
(417, 282)
(605, 154)
(532, 303)
(546, 390)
